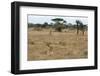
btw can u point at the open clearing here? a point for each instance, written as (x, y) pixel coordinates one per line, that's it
(58, 45)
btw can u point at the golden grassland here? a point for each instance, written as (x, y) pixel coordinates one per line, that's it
(58, 45)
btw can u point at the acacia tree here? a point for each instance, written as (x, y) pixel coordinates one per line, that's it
(57, 20)
(59, 23)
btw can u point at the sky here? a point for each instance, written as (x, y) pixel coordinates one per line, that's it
(47, 18)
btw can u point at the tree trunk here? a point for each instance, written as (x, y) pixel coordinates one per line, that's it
(77, 29)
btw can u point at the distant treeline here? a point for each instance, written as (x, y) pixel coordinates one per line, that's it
(59, 24)
(46, 25)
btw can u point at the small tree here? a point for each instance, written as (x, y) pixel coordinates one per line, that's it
(80, 26)
(45, 25)
(77, 24)
(64, 22)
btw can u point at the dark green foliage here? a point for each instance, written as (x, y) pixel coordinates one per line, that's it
(57, 19)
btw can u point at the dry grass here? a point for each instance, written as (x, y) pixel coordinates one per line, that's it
(58, 45)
